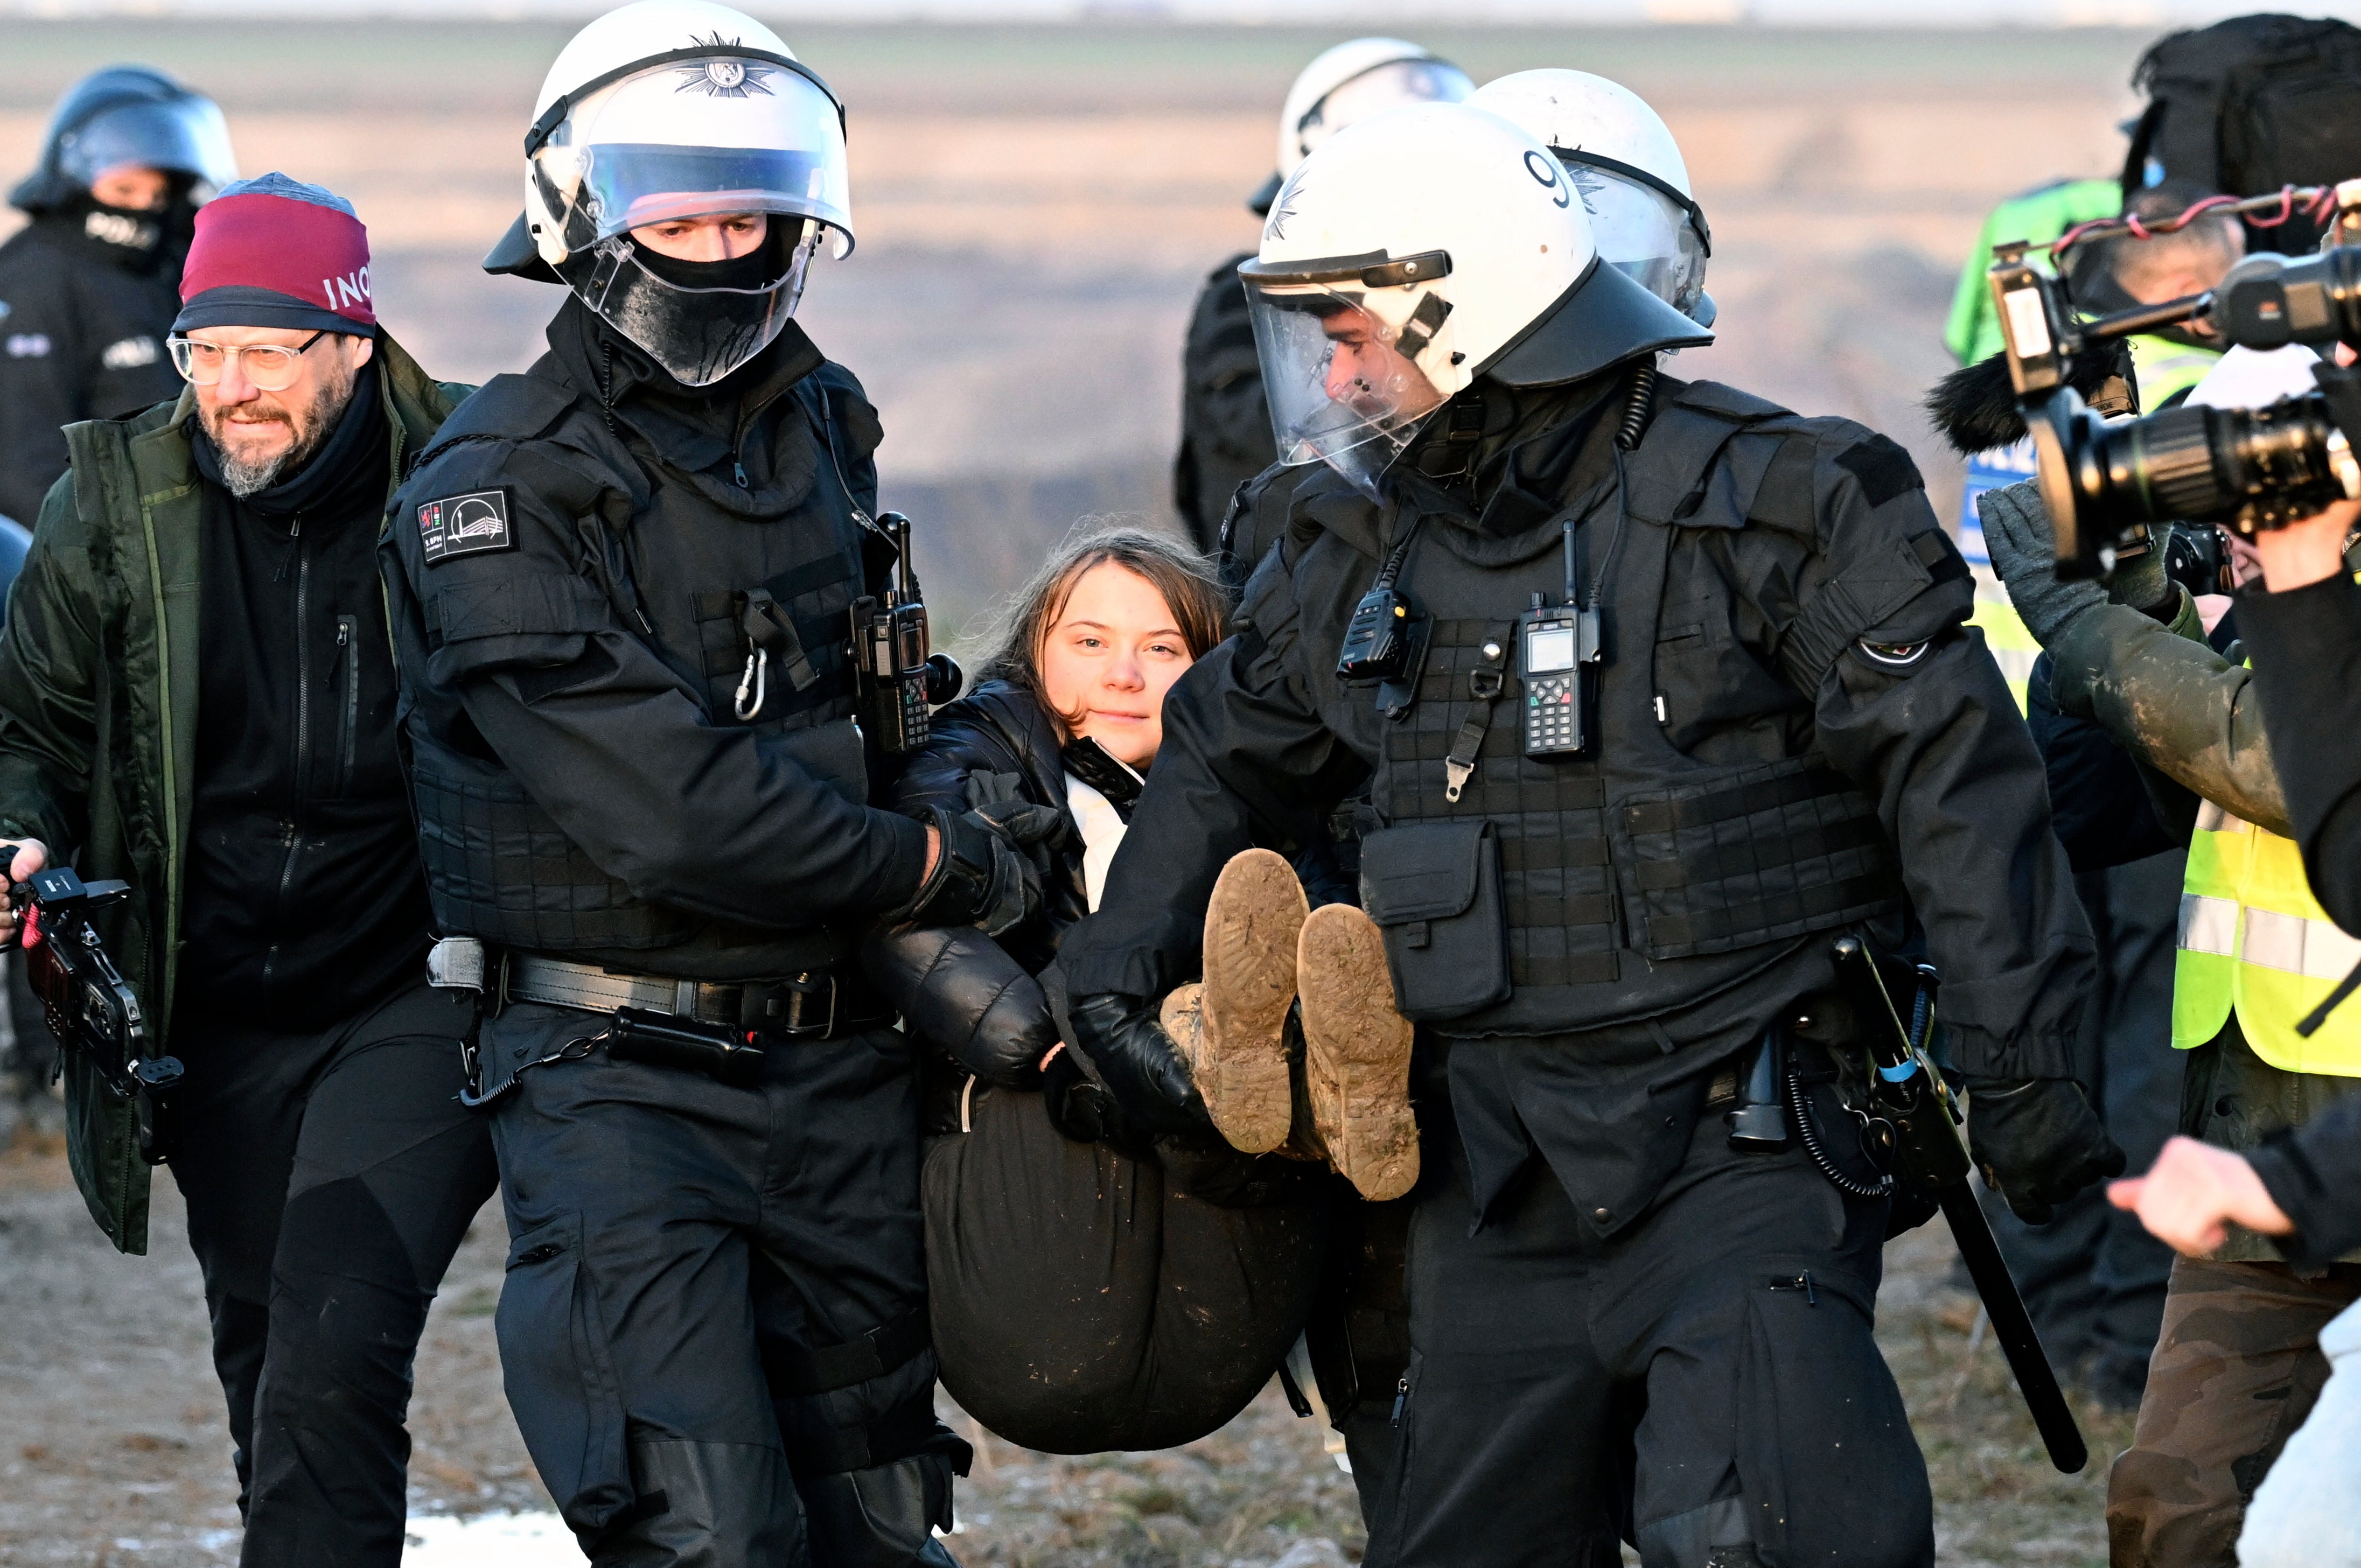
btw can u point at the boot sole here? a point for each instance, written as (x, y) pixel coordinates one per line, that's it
(1252, 925)
(1356, 1053)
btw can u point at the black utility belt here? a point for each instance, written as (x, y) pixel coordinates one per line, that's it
(815, 1005)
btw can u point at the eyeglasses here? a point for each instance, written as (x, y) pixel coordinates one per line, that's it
(269, 365)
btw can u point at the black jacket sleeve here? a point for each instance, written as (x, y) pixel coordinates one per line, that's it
(2305, 645)
(2101, 807)
(2314, 1174)
(960, 742)
(611, 741)
(1908, 702)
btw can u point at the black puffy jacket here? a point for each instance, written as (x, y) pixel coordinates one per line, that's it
(973, 996)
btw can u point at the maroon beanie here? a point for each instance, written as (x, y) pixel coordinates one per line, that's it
(276, 252)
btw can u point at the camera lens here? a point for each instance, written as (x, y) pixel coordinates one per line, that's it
(2161, 467)
(2251, 468)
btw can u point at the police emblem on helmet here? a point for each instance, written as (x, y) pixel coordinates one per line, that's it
(723, 78)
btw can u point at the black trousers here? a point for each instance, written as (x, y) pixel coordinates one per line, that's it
(1085, 1301)
(1704, 1380)
(329, 1177)
(713, 1328)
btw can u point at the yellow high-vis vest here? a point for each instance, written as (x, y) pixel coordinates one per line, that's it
(2253, 938)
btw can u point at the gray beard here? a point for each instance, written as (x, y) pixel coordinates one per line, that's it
(243, 478)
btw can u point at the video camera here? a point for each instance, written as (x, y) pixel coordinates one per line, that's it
(2250, 469)
(91, 1008)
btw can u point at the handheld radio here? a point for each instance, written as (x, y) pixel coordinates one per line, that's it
(897, 675)
(1558, 663)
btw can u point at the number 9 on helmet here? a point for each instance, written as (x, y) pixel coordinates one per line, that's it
(1414, 252)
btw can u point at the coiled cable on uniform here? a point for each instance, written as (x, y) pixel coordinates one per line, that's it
(1808, 1132)
(1638, 406)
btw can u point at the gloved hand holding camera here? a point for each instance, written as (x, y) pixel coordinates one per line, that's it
(2025, 555)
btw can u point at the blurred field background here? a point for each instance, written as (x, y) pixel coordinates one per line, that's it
(1036, 208)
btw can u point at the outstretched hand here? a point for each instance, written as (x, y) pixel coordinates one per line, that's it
(2192, 1193)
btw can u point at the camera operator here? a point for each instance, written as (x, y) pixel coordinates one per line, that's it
(2237, 1362)
(197, 693)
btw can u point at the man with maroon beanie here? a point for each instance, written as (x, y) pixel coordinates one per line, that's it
(197, 695)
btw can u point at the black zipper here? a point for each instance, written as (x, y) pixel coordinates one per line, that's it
(349, 639)
(291, 831)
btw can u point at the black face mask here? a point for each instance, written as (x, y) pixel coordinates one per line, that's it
(757, 268)
(137, 231)
(699, 320)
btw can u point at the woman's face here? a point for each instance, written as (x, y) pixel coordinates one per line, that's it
(1109, 658)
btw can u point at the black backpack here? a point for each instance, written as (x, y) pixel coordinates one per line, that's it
(2248, 105)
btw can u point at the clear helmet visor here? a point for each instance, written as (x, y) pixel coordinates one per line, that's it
(1643, 234)
(1374, 92)
(1339, 368)
(697, 334)
(181, 136)
(696, 139)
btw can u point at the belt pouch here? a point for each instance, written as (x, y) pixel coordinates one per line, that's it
(1433, 888)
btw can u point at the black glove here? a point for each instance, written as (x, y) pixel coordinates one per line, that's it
(959, 989)
(1140, 1063)
(2037, 1142)
(986, 873)
(1082, 1111)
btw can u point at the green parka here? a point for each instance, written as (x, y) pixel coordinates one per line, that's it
(98, 714)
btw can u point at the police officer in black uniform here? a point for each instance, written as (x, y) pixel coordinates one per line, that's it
(1656, 687)
(88, 290)
(1225, 426)
(621, 590)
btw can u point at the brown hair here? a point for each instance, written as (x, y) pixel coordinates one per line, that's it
(1185, 577)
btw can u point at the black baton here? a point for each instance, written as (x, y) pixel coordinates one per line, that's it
(1914, 1114)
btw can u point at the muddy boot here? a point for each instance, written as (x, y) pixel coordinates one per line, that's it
(1356, 1054)
(1252, 924)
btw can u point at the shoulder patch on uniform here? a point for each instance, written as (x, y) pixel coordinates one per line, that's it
(465, 524)
(1883, 469)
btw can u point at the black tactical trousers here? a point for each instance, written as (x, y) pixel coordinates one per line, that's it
(329, 1177)
(713, 1330)
(1704, 1381)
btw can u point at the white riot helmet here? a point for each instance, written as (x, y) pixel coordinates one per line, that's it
(671, 109)
(1350, 82)
(1414, 253)
(1628, 171)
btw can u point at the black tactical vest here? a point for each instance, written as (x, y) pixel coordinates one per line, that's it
(1562, 894)
(499, 867)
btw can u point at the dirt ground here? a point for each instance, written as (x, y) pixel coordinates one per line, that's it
(1036, 208)
(114, 1454)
